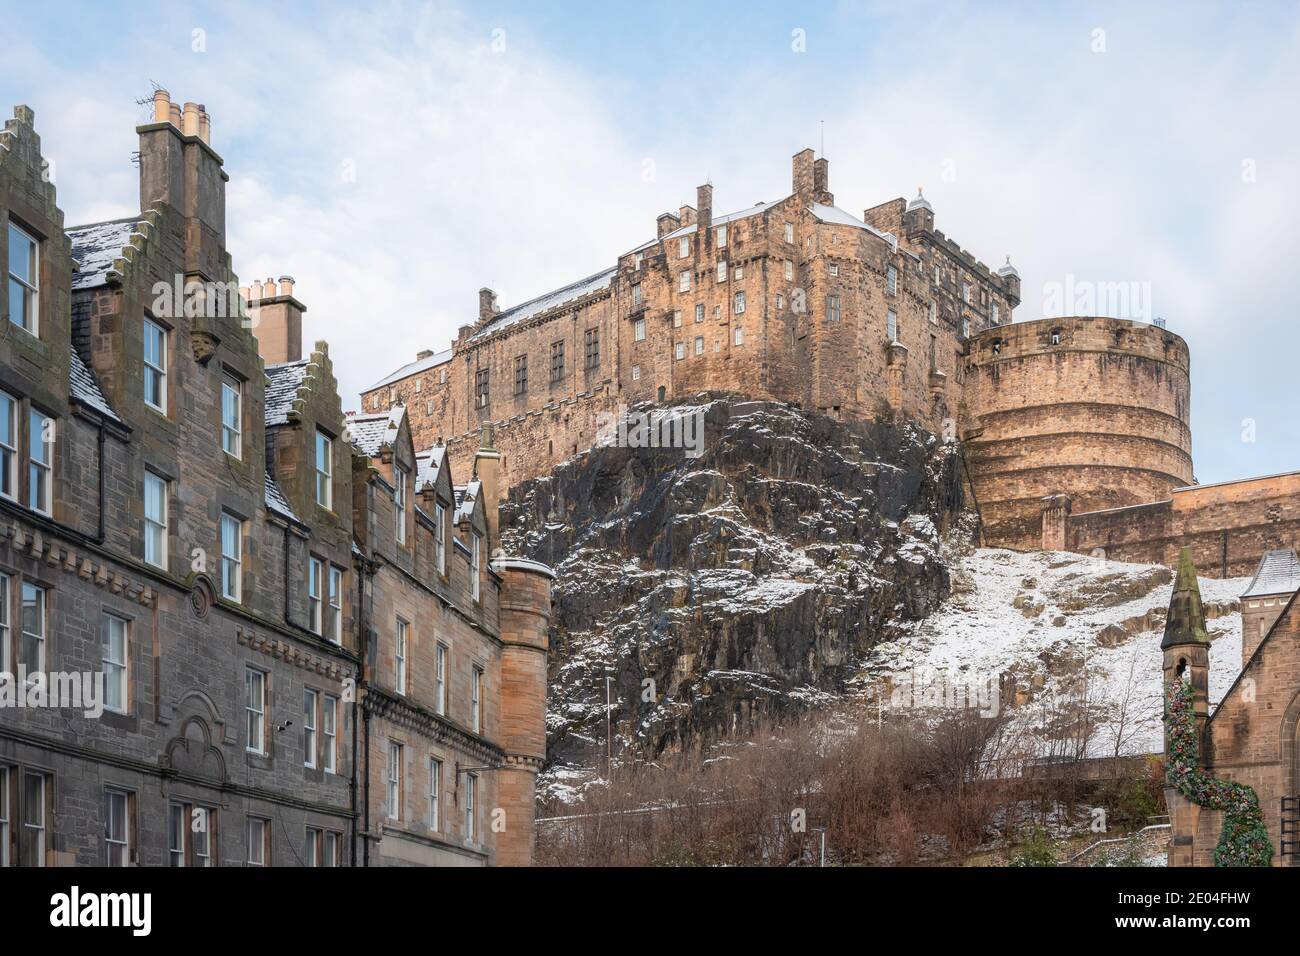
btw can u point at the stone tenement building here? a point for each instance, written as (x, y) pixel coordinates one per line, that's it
(1253, 735)
(1075, 430)
(310, 652)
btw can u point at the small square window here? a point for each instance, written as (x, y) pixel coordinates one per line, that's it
(636, 372)
(699, 345)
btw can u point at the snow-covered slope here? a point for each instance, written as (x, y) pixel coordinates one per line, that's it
(1047, 619)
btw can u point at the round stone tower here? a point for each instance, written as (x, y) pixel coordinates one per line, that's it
(1072, 415)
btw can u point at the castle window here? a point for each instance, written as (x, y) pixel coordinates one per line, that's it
(699, 345)
(684, 281)
(993, 313)
(335, 628)
(738, 273)
(789, 232)
(155, 366)
(891, 280)
(255, 709)
(521, 374)
(399, 656)
(965, 292)
(780, 301)
(232, 556)
(789, 270)
(965, 326)
(638, 330)
(8, 449)
(155, 519)
(677, 318)
(476, 698)
(24, 279)
(721, 233)
(683, 247)
(557, 361)
(231, 405)
(722, 270)
(834, 269)
(324, 470)
(832, 308)
(740, 335)
(636, 294)
(440, 680)
(738, 306)
(640, 258)
(591, 346)
(393, 783)
(937, 275)
(442, 377)
(40, 462)
(1056, 336)
(997, 346)
(475, 565)
(681, 350)
(891, 325)
(699, 312)
(934, 312)
(314, 569)
(662, 392)
(934, 359)
(440, 536)
(400, 479)
(481, 388)
(636, 372)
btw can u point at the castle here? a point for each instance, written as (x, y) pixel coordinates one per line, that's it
(312, 651)
(1075, 431)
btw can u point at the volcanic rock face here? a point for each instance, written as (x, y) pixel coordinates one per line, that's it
(751, 579)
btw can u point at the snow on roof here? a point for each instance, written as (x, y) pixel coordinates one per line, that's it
(466, 495)
(370, 433)
(282, 383)
(427, 465)
(94, 248)
(839, 217)
(85, 388)
(544, 303)
(276, 501)
(419, 365)
(753, 210)
(1278, 573)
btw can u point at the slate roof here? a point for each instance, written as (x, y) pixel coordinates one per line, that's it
(277, 502)
(84, 387)
(427, 465)
(370, 433)
(544, 303)
(419, 365)
(839, 217)
(1278, 573)
(466, 495)
(282, 383)
(94, 248)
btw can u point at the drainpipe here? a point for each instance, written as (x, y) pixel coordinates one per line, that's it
(102, 533)
(287, 619)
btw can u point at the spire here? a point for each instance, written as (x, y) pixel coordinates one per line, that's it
(1186, 621)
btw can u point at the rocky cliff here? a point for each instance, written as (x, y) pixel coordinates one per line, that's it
(753, 578)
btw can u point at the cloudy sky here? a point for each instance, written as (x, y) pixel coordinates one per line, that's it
(395, 156)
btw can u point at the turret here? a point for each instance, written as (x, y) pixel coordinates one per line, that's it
(919, 215)
(1010, 282)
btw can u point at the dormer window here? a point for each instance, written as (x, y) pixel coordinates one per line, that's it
(324, 470)
(24, 279)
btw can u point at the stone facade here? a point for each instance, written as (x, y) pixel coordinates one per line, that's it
(1252, 737)
(795, 300)
(209, 536)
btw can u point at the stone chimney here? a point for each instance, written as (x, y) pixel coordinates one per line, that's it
(276, 319)
(704, 203)
(178, 167)
(423, 354)
(802, 184)
(487, 304)
(822, 182)
(667, 223)
(687, 215)
(487, 469)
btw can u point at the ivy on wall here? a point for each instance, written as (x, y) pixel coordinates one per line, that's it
(1244, 839)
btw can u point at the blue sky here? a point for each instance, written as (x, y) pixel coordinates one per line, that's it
(395, 156)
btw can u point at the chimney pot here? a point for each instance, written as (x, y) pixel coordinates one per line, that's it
(162, 106)
(268, 289)
(176, 115)
(191, 127)
(205, 125)
(487, 303)
(286, 285)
